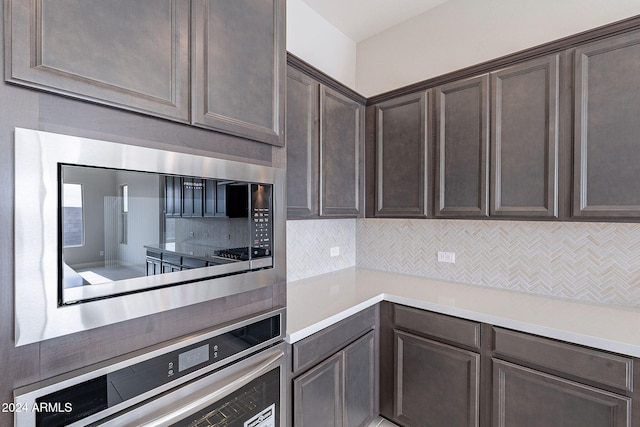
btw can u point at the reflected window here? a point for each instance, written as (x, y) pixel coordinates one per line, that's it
(72, 215)
(124, 225)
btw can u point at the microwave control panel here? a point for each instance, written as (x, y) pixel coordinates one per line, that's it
(261, 221)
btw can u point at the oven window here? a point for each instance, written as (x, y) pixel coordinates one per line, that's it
(257, 404)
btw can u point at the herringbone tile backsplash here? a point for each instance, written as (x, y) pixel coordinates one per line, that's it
(591, 262)
(309, 243)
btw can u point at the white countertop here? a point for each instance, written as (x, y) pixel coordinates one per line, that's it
(320, 301)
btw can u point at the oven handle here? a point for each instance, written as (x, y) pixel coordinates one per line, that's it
(222, 389)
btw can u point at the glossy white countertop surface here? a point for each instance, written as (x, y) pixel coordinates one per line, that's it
(320, 301)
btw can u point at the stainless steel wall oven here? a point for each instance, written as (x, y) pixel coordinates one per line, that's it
(106, 232)
(231, 376)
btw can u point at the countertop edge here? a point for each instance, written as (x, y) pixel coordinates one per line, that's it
(559, 333)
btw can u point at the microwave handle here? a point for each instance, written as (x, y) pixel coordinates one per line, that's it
(201, 393)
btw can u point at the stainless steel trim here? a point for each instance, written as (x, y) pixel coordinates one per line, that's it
(25, 397)
(261, 263)
(37, 155)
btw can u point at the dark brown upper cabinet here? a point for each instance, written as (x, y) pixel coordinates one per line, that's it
(239, 67)
(216, 64)
(524, 139)
(325, 145)
(128, 54)
(403, 151)
(462, 148)
(607, 128)
(341, 146)
(303, 144)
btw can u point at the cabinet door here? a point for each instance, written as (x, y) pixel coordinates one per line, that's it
(402, 147)
(318, 395)
(130, 54)
(462, 143)
(524, 140)
(209, 197)
(302, 145)
(154, 266)
(607, 129)
(435, 384)
(341, 145)
(192, 197)
(360, 381)
(526, 398)
(239, 67)
(172, 196)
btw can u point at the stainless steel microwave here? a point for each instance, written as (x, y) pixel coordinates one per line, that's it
(106, 232)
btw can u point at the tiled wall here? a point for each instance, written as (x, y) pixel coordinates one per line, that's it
(592, 262)
(309, 244)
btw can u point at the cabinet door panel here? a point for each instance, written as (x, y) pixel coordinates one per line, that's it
(341, 144)
(133, 55)
(360, 382)
(239, 67)
(302, 145)
(462, 143)
(524, 140)
(173, 196)
(527, 398)
(607, 129)
(435, 384)
(402, 151)
(318, 395)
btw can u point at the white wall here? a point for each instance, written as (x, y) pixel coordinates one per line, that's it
(313, 39)
(461, 33)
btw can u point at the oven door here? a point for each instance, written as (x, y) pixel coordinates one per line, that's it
(249, 393)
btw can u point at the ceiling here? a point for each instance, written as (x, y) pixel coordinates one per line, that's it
(361, 19)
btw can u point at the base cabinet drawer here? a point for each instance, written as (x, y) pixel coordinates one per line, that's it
(525, 397)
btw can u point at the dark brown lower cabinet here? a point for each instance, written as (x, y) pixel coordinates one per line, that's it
(339, 391)
(436, 384)
(318, 395)
(525, 397)
(438, 370)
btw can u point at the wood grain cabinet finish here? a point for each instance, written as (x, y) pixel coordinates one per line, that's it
(341, 148)
(525, 397)
(303, 145)
(318, 395)
(436, 384)
(360, 381)
(607, 129)
(462, 148)
(582, 364)
(129, 54)
(402, 154)
(239, 71)
(339, 391)
(459, 332)
(524, 139)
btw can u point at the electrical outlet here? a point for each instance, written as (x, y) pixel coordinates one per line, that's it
(335, 251)
(447, 257)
